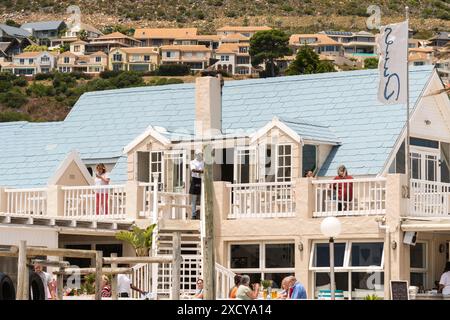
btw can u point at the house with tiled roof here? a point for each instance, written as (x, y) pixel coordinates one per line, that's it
(195, 56)
(31, 63)
(156, 37)
(321, 43)
(45, 31)
(234, 58)
(246, 31)
(355, 44)
(134, 59)
(113, 40)
(259, 137)
(76, 62)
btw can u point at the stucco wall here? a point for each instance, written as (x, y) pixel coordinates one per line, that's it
(72, 177)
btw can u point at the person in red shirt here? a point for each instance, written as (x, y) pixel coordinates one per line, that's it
(344, 191)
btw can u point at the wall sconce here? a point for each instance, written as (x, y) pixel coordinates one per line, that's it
(442, 248)
(427, 122)
(394, 244)
(300, 246)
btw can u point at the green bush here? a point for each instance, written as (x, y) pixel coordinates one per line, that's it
(14, 98)
(173, 70)
(40, 90)
(8, 116)
(5, 85)
(127, 79)
(174, 81)
(20, 82)
(7, 76)
(107, 74)
(44, 76)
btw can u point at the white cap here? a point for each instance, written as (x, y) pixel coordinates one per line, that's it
(198, 151)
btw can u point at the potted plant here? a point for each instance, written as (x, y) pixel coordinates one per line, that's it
(140, 239)
(267, 287)
(372, 297)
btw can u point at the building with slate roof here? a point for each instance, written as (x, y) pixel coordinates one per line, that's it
(263, 134)
(45, 31)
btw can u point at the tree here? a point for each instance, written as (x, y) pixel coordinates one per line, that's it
(12, 23)
(35, 48)
(140, 239)
(83, 35)
(266, 46)
(307, 61)
(371, 63)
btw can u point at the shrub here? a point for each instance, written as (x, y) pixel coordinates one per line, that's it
(14, 98)
(5, 85)
(20, 82)
(173, 70)
(40, 90)
(44, 76)
(127, 79)
(7, 76)
(231, 14)
(8, 116)
(174, 81)
(107, 74)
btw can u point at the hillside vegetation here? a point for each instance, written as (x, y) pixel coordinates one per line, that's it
(291, 15)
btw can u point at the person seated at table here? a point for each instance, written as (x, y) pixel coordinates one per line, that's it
(237, 282)
(244, 292)
(444, 282)
(106, 287)
(296, 289)
(199, 291)
(285, 288)
(344, 190)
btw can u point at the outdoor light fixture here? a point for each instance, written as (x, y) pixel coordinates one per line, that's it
(441, 248)
(394, 244)
(427, 122)
(331, 228)
(300, 246)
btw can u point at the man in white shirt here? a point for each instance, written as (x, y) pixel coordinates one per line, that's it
(124, 286)
(197, 167)
(46, 281)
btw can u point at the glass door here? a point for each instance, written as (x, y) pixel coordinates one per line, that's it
(425, 164)
(175, 171)
(245, 166)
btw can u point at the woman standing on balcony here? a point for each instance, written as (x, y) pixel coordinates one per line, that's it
(344, 190)
(101, 195)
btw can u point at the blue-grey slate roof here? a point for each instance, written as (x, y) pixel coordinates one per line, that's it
(14, 32)
(102, 123)
(42, 25)
(311, 130)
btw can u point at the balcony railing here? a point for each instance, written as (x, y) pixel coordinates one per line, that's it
(95, 202)
(168, 205)
(349, 197)
(262, 200)
(28, 202)
(429, 199)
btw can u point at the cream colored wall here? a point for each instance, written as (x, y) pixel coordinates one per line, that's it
(34, 236)
(148, 144)
(277, 136)
(72, 177)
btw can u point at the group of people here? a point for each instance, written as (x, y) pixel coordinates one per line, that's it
(244, 290)
(124, 287)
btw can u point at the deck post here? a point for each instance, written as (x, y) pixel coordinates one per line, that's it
(98, 275)
(114, 293)
(176, 265)
(22, 272)
(60, 283)
(55, 201)
(3, 200)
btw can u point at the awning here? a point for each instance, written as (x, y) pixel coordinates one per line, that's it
(426, 224)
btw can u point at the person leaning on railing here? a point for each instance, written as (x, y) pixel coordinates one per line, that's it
(101, 195)
(344, 190)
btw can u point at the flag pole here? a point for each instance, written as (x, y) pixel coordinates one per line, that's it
(408, 156)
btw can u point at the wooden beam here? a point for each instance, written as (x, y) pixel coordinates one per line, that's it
(98, 275)
(85, 271)
(51, 263)
(135, 260)
(70, 253)
(114, 293)
(22, 271)
(176, 265)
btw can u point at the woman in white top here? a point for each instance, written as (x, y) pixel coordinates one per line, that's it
(101, 195)
(444, 283)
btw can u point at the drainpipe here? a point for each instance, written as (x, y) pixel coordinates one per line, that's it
(387, 258)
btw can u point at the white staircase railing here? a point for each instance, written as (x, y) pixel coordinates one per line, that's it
(141, 278)
(429, 199)
(262, 200)
(224, 281)
(108, 201)
(29, 202)
(362, 196)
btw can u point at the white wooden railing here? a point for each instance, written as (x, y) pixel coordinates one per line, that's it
(429, 199)
(141, 278)
(261, 200)
(224, 281)
(166, 205)
(108, 201)
(365, 196)
(29, 202)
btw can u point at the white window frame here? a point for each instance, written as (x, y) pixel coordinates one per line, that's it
(262, 258)
(161, 181)
(424, 270)
(424, 152)
(346, 268)
(277, 165)
(170, 155)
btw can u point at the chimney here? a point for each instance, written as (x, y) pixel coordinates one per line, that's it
(208, 106)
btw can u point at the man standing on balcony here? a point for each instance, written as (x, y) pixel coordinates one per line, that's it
(197, 168)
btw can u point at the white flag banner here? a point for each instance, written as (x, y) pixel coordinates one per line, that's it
(393, 50)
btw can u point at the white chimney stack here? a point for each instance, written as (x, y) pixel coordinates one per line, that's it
(208, 107)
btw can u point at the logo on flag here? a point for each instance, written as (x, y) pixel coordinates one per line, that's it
(393, 50)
